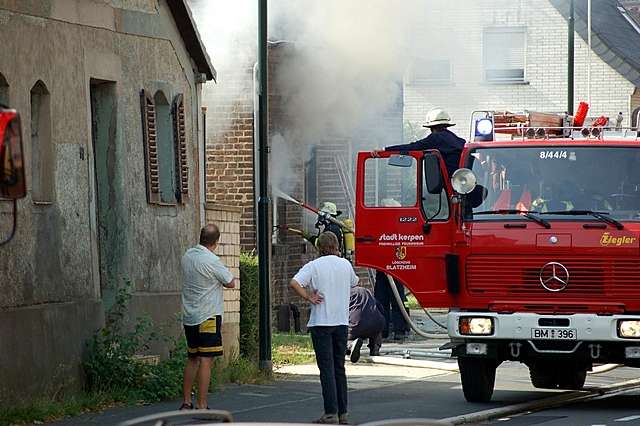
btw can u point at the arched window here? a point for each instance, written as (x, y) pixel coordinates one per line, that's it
(165, 148)
(42, 159)
(4, 91)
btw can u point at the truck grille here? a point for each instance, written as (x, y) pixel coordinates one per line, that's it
(517, 276)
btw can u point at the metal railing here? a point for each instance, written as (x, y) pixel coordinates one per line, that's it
(593, 133)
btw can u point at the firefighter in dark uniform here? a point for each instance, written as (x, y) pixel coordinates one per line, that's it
(440, 138)
(366, 321)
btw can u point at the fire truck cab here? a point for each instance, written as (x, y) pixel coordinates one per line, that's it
(533, 245)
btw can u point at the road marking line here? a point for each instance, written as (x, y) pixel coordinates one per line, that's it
(261, 395)
(627, 419)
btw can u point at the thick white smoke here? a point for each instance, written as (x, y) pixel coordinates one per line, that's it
(345, 64)
(345, 68)
(228, 30)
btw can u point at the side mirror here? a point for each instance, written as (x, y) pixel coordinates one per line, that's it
(433, 174)
(476, 197)
(401, 161)
(12, 181)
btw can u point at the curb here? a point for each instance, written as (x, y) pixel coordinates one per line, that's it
(541, 404)
(434, 365)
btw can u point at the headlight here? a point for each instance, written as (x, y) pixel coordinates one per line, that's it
(629, 329)
(476, 326)
(463, 181)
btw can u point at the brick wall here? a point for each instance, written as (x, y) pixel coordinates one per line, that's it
(228, 220)
(229, 149)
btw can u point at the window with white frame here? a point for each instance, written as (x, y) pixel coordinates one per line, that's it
(504, 52)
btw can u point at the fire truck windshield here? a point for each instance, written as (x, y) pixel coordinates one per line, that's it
(557, 179)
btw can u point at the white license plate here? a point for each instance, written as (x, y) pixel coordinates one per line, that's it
(554, 333)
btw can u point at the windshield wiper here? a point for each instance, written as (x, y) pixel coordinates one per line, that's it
(528, 214)
(598, 215)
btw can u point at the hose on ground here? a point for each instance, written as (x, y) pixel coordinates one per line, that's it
(405, 315)
(439, 324)
(603, 368)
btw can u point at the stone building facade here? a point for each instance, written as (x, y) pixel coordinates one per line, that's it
(110, 95)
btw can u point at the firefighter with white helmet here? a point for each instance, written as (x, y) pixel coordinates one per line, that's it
(324, 224)
(440, 138)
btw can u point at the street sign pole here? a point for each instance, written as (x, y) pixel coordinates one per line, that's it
(265, 363)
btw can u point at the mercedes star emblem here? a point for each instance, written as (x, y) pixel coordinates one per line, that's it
(554, 276)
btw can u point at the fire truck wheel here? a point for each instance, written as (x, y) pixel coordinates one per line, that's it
(543, 375)
(571, 378)
(478, 377)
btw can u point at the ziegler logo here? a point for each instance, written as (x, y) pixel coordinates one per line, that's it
(608, 240)
(401, 252)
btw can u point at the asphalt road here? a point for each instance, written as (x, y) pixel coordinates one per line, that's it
(621, 409)
(378, 392)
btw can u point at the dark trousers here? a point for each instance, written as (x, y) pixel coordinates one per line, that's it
(392, 314)
(330, 345)
(375, 339)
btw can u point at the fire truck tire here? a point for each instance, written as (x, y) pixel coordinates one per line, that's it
(543, 376)
(478, 376)
(571, 378)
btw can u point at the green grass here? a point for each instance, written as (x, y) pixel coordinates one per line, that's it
(292, 349)
(240, 371)
(42, 410)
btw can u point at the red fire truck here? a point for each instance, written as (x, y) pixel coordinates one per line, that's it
(12, 179)
(533, 245)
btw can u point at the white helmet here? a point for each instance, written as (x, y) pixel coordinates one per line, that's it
(330, 208)
(438, 117)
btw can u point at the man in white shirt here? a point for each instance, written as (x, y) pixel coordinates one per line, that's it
(204, 278)
(326, 282)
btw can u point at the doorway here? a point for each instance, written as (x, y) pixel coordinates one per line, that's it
(107, 181)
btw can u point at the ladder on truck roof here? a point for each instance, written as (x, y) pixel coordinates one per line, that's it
(540, 125)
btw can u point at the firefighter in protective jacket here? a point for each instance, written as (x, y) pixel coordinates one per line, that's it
(324, 224)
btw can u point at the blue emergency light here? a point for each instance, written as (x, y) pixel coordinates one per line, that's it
(484, 129)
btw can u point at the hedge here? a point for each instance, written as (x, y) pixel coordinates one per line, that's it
(249, 296)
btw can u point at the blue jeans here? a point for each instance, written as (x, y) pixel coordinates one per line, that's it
(330, 346)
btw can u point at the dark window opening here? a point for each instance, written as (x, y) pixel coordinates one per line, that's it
(42, 159)
(166, 150)
(4, 91)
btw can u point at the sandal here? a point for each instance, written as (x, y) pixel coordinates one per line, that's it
(186, 406)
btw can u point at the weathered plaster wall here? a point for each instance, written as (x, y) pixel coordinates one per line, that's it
(49, 272)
